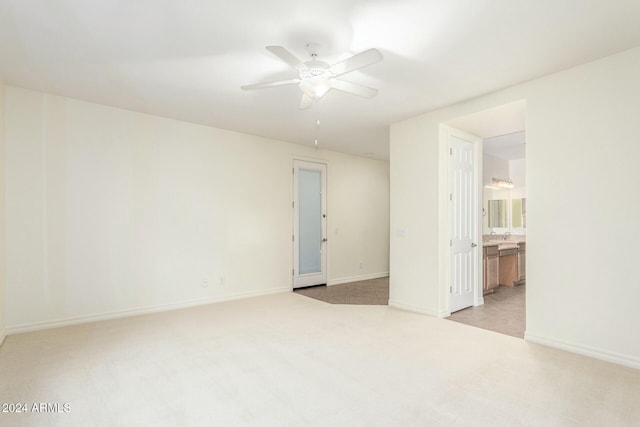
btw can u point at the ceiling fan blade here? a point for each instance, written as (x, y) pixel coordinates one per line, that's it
(287, 57)
(306, 102)
(270, 84)
(354, 88)
(362, 59)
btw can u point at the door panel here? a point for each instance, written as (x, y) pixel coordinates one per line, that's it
(463, 222)
(309, 257)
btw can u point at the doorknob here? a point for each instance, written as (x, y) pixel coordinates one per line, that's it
(473, 245)
(324, 240)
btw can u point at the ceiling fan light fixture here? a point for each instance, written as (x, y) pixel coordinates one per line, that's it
(316, 78)
(315, 87)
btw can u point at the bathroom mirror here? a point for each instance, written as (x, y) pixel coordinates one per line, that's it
(497, 214)
(518, 213)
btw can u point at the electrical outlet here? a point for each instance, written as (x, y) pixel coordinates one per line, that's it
(205, 283)
(360, 265)
(221, 280)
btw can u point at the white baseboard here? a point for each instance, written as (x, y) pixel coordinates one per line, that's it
(412, 308)
(442, 314)
(357, 278)
(596, 353)
(49, 324)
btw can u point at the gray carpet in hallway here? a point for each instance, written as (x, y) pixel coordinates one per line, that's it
(366, 292)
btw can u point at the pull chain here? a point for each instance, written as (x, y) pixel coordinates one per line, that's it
(317, 123)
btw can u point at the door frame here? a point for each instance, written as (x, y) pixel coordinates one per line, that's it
(445, 133)
(324, 260)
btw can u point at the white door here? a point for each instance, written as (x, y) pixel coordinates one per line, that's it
(309, 224)
(463, 221)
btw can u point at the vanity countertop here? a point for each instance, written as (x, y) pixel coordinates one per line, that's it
(502, 244)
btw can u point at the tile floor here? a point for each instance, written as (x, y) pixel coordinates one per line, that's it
(504, 311)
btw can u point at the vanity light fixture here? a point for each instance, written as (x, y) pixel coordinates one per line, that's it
(500, 183)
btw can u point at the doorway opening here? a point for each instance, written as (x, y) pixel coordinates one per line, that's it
(501, 253)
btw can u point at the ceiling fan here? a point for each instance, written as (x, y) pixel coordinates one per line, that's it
(316, 78)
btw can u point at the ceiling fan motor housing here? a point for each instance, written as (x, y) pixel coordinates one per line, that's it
(315, 69)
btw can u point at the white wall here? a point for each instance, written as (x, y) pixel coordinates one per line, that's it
(493, 167)
(517, 172)
(110, 211)
(414, 218)
(2, 210)
(583, 278)
(358, 218)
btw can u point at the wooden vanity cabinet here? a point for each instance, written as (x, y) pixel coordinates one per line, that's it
(522, 263)
(508, 271)
(490, 267)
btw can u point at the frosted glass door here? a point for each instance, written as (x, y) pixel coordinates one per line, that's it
(310, 211)
(309, 224)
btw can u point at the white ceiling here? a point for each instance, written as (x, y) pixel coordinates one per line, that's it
(500, 120)
(502, 129)
(187, 59)
(506, 147)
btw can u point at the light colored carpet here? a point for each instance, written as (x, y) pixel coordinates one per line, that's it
(288, 360)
